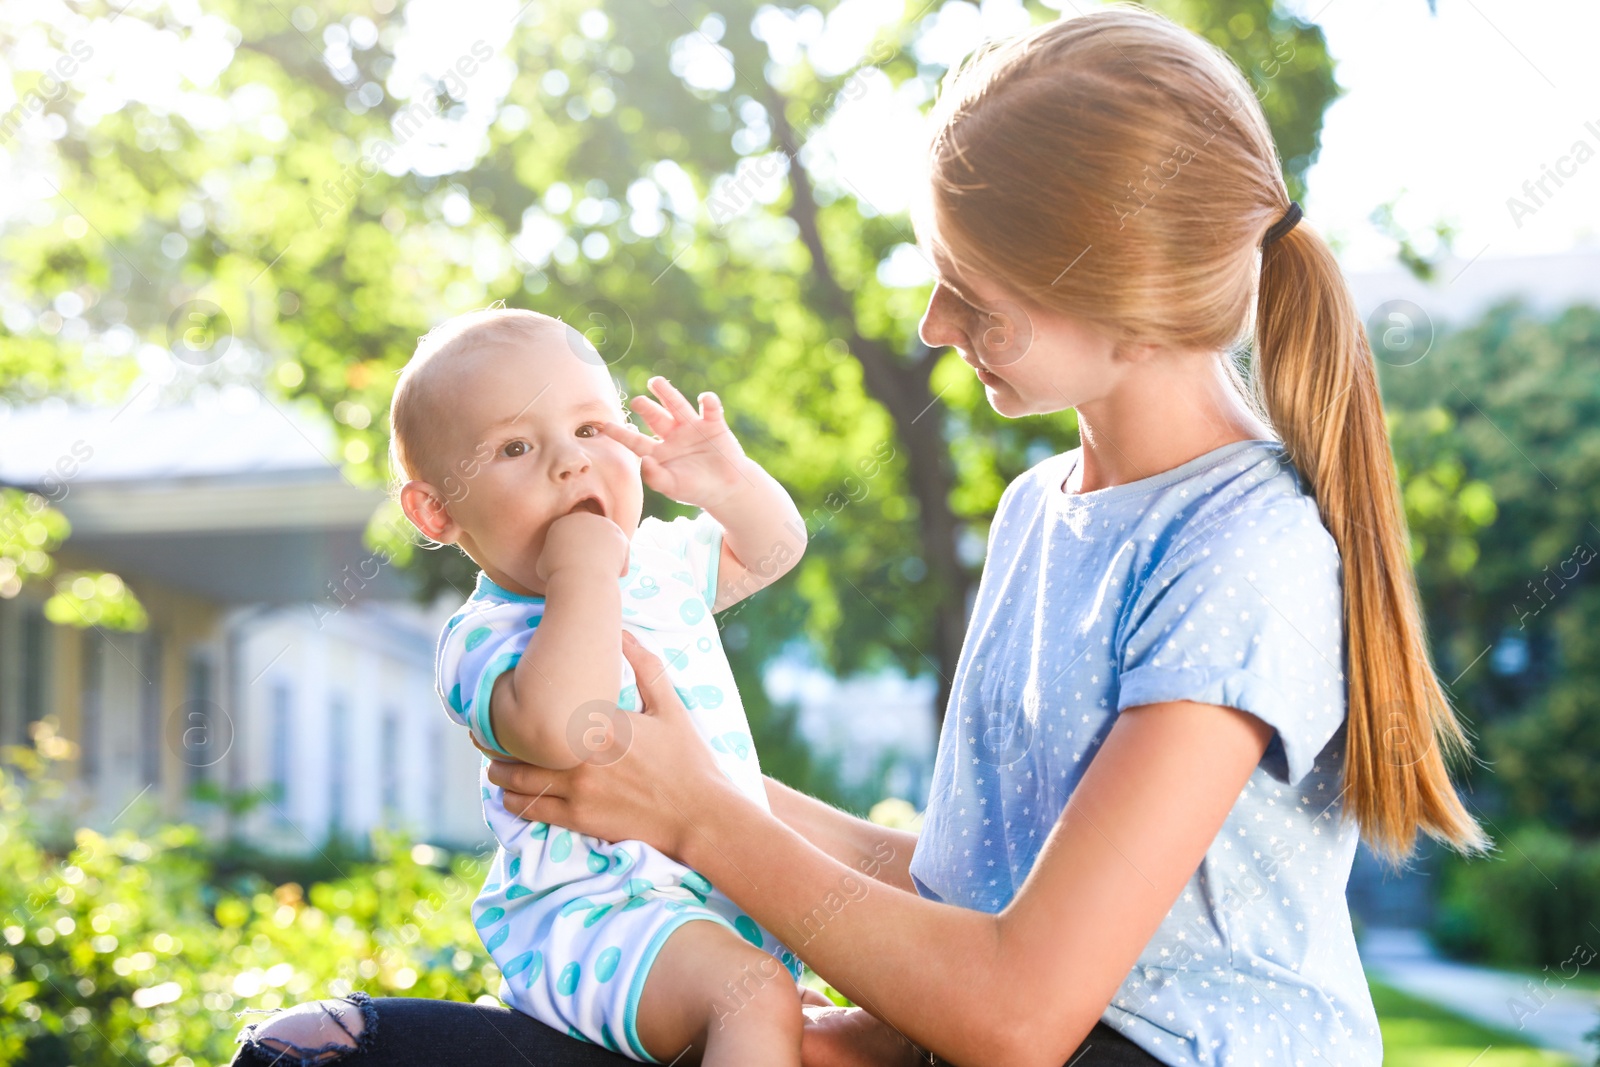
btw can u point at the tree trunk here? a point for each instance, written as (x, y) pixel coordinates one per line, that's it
(901, 386)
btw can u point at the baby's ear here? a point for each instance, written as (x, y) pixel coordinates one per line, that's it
(428, 511)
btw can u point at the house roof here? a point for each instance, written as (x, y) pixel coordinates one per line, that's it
(236, 501)
(1466, 286)
(145, 441)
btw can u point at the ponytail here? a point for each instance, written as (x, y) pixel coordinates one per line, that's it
(1315, 379)
(1038, 143)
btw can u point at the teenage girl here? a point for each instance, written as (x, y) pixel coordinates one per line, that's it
(1195, 674)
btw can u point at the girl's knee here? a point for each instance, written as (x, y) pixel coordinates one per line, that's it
(320, 1032)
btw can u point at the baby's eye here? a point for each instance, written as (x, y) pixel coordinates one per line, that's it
(587, 430)
(513, 449)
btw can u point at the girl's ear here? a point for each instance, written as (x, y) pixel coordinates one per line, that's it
(426, 508)
(1134, 352)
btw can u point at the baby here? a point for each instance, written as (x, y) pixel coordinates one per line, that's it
(513, 445)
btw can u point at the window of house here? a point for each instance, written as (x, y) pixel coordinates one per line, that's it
(91, 703)
(389, 765)
(338, 756)
(436, 774)
(35, 668)
(150, 731)
(280, 744)
(198, 738)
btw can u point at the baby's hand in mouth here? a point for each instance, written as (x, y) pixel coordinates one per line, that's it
(584, 539)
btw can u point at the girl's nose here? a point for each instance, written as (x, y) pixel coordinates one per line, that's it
(940, 326)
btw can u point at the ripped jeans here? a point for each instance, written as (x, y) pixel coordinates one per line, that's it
(406, 1031)
(412, 1032)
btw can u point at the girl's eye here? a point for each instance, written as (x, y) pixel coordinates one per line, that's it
(962, 302)
(587, 430)
(513, 449)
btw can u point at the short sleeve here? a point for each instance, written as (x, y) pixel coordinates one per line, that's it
(481, 643)
(1250, 616)
(696, 541)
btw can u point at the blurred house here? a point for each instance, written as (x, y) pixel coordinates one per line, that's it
(283, 660)
(1465, 286)
(876, 730)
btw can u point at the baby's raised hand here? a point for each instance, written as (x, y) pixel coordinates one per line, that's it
(693, 457)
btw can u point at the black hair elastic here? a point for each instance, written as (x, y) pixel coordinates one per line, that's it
(1283, 225)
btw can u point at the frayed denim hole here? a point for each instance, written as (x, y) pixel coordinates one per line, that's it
(255, 1035)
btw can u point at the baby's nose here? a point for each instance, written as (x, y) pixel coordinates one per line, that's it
(574, 462)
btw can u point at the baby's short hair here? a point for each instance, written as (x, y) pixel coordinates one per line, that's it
(411, 419)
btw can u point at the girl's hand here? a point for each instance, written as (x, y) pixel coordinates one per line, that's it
(849, 1037)
(693, 457)
(643, 782)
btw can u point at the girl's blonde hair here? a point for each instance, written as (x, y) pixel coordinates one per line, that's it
(1117, 168)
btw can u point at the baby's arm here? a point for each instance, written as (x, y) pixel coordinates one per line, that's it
(763, 535)
(574, 658)
(695, 459)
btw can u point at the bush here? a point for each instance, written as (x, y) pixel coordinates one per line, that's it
(1528, 906)
(125, 947)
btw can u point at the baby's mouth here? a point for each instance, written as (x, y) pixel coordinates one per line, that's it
(590, 504)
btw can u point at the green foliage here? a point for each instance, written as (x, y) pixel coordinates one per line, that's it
(1286, 60)
(1545, 757)
(30, 530)
(1530, 905)
(1508, 410)
(321, 268)
(1423, 256)
(1445, 509)
(132, 946)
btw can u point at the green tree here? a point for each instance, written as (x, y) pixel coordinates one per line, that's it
(280, 211)
(1514, 612)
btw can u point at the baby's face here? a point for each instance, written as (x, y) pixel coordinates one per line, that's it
(524, 450)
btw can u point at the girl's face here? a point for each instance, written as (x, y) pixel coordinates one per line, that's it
(1031, 361)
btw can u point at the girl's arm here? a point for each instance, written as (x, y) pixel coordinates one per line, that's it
(882, 852)
(1023, 987)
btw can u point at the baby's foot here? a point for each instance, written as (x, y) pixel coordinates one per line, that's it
(850, 1037)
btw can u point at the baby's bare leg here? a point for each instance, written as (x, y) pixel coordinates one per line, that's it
(721, 998)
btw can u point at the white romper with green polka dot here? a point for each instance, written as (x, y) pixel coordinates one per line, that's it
(572, 921)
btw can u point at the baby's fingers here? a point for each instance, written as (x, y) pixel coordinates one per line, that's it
(711, 407)
(674, 401)
(637, 443)
(654, 415)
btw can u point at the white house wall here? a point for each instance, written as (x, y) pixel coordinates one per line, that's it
(378, 660)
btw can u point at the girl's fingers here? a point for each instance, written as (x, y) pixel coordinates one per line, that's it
(526, 779)
(674, 401)
(656, 694)
(536, 808)
(814, 998)
(654, 415)
(636, 442)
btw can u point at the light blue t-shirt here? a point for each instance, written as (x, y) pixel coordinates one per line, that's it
(1213, 582)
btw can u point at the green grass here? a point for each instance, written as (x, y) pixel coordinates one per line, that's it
(1419, 1034)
